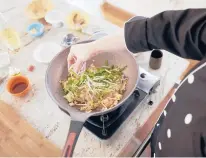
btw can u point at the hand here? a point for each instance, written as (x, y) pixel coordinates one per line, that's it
(79, 54)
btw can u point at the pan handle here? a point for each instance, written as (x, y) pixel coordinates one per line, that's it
(73, 135)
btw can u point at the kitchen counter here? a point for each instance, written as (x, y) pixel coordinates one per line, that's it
(42, 113)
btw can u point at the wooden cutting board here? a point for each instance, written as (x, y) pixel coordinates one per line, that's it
(114, 14)
(19, 138)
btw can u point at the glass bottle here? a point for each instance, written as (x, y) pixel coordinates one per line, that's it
(8, 35)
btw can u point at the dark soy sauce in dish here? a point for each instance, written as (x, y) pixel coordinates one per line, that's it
(19, 87)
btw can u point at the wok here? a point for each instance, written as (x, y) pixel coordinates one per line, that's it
(58, 70)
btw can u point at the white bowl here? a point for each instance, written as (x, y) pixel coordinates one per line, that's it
(45, 52)
(55, 18)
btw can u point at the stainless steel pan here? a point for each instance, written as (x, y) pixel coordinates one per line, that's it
(58, 71)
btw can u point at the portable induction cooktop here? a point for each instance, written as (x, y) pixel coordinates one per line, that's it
(106, 125)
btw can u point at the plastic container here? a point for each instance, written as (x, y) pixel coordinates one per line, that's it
(36, 29)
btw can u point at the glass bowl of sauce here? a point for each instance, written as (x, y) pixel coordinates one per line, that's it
(18, 85)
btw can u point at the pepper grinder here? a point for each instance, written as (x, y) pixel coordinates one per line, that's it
(155, 61)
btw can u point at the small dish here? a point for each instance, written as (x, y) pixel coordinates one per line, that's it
(46, 51)
(37, 9)
(55, 18)
(77, 20)
(18, 86)
(35, 29)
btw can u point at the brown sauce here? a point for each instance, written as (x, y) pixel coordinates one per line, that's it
(19, 87)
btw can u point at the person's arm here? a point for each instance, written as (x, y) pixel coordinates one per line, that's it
(181, 32)
(110, 43)
(116, 42)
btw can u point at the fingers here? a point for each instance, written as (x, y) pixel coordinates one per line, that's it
(79, 66)
(71, 60)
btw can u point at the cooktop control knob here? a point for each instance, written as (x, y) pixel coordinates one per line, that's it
(142, 75)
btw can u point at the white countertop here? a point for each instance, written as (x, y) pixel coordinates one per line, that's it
(45, 116)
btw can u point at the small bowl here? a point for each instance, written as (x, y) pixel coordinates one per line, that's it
(69, 21)
(37, 9)
(35, 29)
(55, 18)
(18, 86)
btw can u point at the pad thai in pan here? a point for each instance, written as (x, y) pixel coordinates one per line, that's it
(95, 89)
(100, 89)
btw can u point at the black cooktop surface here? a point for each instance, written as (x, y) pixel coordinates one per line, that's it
(106, 125)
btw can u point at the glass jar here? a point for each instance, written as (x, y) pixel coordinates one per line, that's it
(8, 35)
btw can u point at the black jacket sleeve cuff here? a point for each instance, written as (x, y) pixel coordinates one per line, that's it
(135, 33)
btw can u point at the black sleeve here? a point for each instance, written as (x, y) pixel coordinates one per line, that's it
(181, 32)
